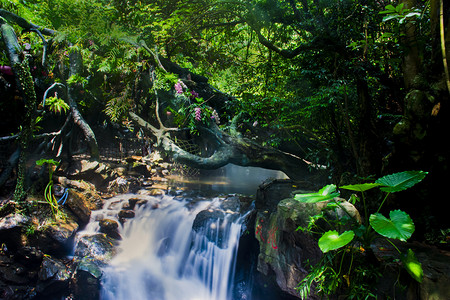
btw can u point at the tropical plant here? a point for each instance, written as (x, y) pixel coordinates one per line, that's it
(330, 274)
(48, 191)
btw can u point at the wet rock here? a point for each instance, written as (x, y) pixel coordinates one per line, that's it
(98, 247)
(55, 238)
(156, 192)
(10, 229)
(92, 253)
(110, 228)
(79, 205)
(87, 279)
(126, 214)
(53, 277)
(133, 201)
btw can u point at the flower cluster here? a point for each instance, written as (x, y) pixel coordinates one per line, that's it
(198, 113)
(194, 94)
(179, 87)
(215, 116)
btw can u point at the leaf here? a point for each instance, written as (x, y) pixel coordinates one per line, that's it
(400, 181)
(326, 193)
(413, 266)
(332, 240)
(48, 161)
(360, 187)
(399, 226)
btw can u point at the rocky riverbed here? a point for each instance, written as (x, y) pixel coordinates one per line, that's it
(44, 256)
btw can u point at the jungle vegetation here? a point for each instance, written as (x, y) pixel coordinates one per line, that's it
(339, 91)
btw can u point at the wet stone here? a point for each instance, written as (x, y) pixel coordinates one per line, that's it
(126, 214)
(110, 228)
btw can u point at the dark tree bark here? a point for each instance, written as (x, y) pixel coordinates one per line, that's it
(75, 68)
(24, 82)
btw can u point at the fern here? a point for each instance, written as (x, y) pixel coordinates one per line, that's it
(117, 107)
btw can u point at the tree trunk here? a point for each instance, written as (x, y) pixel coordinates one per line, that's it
(75, 62)
(25, 85)
(232, 149)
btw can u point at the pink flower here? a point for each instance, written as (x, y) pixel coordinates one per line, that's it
(194, 94)
(178, 88)
(198, 113)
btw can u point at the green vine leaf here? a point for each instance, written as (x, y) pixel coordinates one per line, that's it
(399, 226)
(332, 240)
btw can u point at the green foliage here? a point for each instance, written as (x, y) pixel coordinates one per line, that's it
(332, 240)
(56, 105)
(399, 13)
(48, 193)
(399, 226)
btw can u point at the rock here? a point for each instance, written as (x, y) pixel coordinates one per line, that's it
(79, 205)
(87, 279)
(53, 277)
(284, 252)
(212, 221)
(55, 238)
(98, 247)
(11, 228)
(126, 214)
(97, 173)
(92, 253)
(110, 228)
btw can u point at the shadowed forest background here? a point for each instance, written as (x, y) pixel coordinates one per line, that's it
(327, 91)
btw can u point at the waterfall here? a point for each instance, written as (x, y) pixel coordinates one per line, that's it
(162, 258)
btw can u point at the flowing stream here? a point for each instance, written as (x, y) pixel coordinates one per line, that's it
(161, 257)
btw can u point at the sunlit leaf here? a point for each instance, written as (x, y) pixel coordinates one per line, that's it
(326, 193)
(413, 266)
(399, 226)
(332, 240)
(400, 181)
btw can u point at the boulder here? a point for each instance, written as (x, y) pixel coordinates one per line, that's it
(53, 277)
(92, 253)
(110, 228)
(10, 229)
(97, 173)
(79, 205)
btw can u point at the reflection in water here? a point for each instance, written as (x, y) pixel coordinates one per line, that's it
(230, 179)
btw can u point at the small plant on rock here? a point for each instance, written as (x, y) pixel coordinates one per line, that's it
(48, 192)
(347, 263)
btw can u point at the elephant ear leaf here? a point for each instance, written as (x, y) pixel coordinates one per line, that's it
(400, 181)
(332, 240)
(399, 226)
(326, 193)
(413, 266)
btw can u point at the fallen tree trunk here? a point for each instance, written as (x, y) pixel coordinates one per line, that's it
(233, 149)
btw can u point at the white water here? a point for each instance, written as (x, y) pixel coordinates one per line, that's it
(161, 258)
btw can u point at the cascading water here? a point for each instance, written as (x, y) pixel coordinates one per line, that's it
(160, 257)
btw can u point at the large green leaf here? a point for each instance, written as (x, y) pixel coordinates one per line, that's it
(360, 187)
(400, 181)
(326, 193)
(399, 226)
(413, 266)
(332, 240)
